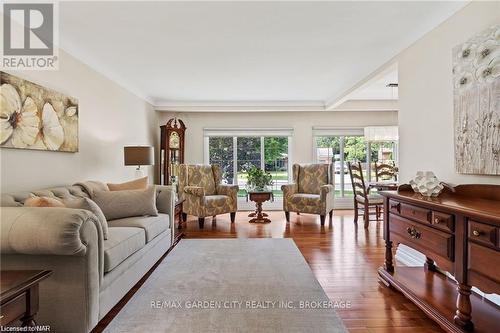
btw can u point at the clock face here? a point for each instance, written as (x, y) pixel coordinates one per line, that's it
(174, 141)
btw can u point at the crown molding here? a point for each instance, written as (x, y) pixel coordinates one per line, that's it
(239, 106)
(274, 106)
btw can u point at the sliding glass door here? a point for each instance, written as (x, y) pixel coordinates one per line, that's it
(340, 150)
(354, 151)
(382, 152)
(343, 148)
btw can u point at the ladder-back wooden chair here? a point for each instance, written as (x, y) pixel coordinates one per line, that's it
(370, 204)
(385, 171)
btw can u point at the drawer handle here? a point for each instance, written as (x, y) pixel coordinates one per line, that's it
(437, 220)
(413, 232)
(396, 206)
(476, 233)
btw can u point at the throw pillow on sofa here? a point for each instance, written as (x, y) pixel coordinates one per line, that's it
(43, 202)
(136, 184)
(127, 203)
(87, 204)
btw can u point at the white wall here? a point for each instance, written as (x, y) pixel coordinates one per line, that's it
(301, 122)
(426, 95)
(110, 118)
(426, 103)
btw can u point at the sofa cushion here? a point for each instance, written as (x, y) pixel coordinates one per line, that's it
(127, 203)
(152, 225)
(311, 177)
(122, 242)
(136, 184)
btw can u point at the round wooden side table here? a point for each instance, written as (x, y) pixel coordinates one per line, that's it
(259, 197)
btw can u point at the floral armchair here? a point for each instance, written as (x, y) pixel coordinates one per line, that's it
(205, 195)
(312, 191)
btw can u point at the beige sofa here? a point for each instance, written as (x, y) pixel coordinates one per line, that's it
(90, 274)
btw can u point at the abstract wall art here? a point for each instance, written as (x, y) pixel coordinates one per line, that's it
(476, 76)
(34, 117)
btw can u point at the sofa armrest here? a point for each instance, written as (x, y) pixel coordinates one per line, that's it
(46, 231)
(69, 243)
(195, 190)
(165, 200)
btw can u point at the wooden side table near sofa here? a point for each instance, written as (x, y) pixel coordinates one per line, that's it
(19, 296)
(178, 221)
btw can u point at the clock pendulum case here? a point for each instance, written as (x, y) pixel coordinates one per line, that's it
(171, 150)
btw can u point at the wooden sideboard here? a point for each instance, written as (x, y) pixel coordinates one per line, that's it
(458, 232)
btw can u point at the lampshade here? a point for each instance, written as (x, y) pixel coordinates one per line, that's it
(381, 133)
(139, 155)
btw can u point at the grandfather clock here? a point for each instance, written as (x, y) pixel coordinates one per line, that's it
(171, 150)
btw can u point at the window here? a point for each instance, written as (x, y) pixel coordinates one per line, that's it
(221, 153)
(249, 154)
(276, 161)
(236, 150)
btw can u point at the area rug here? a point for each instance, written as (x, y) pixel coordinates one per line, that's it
(230, 285)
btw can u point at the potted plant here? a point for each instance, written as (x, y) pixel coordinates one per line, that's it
(258, 179)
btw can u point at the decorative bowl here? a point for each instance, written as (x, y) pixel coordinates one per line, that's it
(426, 183)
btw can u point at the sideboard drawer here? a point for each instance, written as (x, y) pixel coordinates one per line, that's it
(483, 268)
(443, 221)
(415, 213)
(483, 233)
(425, 239)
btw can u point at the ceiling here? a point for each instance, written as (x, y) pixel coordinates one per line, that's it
(377, 88)
(297, 53)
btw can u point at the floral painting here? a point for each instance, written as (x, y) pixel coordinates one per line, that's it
(476, 75)
(34, 117)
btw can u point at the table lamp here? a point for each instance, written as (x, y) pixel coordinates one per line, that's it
(138, 156)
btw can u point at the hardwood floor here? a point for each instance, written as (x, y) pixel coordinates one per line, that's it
(344, 259)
